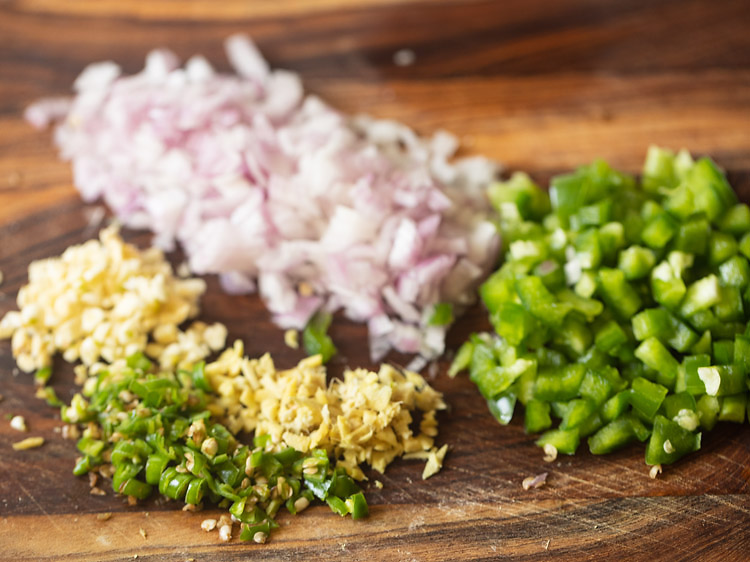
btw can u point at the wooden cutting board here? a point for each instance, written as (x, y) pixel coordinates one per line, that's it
(541, 86)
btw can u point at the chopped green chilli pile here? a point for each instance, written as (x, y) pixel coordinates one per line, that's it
(153, 431)
(621, 309)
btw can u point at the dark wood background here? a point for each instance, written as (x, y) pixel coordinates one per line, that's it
(540, 86)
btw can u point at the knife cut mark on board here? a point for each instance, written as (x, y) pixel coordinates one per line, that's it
(40, 506)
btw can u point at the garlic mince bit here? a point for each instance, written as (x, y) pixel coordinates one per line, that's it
(364, 418)
(100, 301)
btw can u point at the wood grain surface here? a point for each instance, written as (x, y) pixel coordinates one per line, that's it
(540, 86)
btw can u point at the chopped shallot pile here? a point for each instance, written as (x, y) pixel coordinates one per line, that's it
(275, 190)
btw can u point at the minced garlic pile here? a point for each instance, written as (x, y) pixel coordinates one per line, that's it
(101, 300)
(364, 418)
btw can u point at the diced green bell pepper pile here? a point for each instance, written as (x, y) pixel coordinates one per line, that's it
(621, 309)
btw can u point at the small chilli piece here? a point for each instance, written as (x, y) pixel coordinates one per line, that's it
(301, 503)
(96, 491)
(535, 481)
(654, 472)
(28, 443)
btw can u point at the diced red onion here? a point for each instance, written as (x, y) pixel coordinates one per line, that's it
(275, 190)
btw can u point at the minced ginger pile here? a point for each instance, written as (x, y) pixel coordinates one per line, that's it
(104, 300)
(364, 418)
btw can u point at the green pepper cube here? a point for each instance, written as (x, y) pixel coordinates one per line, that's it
(735, 272)
(610, 336)
(564, 440)
(701, 295)
(574, 336)
(611, 240)
(658, 170)
(596, 214)
(590, 308)
(551, 273)
(682, 338)
(537, 299)
(742, 352)
(658, 231)
(497, 290)
(683, 164)
(513, 322)
(703, 345)
(594, 358)
(586, 285)
(708, 411)
(647, 396)
(736, 220)
(733, 408)
(560, 383)
(615, 435)
(721, 247)
(667, 288)
(577, 412)
(674, 403)
(502, 407)
(705, 320)
(567, 194)
(669, 442)
(690, 363)
(595, 387)
(722, 380)
(590, 425)
(744, 245)
(636, 262)
(713, 194)
(496, 380)
(692, 236)
(537, 416)
(519, 196)
(529, 251)
(615, 406)
(618, 293)
(651, 323)
(723, 352)
(654, 355)
(680, 202)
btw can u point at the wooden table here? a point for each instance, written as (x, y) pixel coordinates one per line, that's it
(540, 86)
